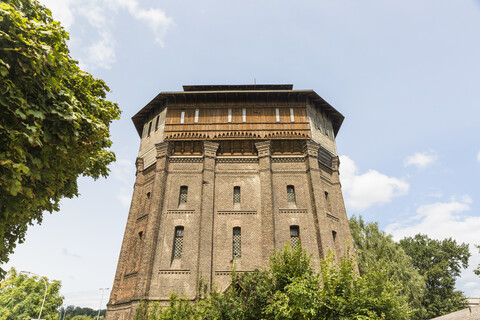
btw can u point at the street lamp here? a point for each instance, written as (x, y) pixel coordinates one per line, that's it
(46, 287)
(101, 300)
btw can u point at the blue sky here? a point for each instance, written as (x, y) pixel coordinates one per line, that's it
(405, 74)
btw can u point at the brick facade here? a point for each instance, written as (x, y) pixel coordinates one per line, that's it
(147, 267)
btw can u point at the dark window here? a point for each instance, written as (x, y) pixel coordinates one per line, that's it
(327, 202)
(140, 235)
(236, 195)
(237, 242)
(183, 195)
(156, 123)
(334, 236)
(178, 243)
(149, 129)
(294, 236)
(290, 193)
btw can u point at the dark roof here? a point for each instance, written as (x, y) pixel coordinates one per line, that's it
(237, 93)
(238, 87)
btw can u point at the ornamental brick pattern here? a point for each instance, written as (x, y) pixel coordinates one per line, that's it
(226, 175)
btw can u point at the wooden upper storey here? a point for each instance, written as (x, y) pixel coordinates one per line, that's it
(237, 112)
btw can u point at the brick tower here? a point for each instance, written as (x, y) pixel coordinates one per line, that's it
(227, 173)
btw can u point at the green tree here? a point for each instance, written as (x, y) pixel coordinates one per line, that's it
(21, 297)
(54, 120)
(376, 251)
(477, 270)
(290, 288)
(440, 263)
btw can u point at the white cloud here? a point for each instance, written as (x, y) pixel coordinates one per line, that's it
(99, 49)
(61, 11)
(156, 19)
(421, 160)
(440, 220)
(125, 197)
(370, 188)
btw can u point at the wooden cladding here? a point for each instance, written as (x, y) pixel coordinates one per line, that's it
(237, 123)
(238, 147)
(280, 147)
(187, 148)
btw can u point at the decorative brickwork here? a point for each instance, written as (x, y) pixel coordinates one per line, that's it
(227, 175)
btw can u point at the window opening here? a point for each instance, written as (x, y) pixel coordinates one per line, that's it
(197, 111)
(277, 114)
(182, 116)
(183, 195)
(290, 193)
(334, 236)
(294, 237)
(292, 115)
(156, 123)
(178, 243)
(149, 129)
(244, 114)
(229, 115)
(327, 201)
(140, 235)
(237, 242)
(236, 194)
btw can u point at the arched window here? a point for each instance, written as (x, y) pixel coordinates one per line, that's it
(290, 193)
(182, 198)
(237, 242)
(236, 194)
(178, 242)
(294, 236)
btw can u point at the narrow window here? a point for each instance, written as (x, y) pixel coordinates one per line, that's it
(178, 242)
(290, 193)
(292, 115)
(183, 195)
(182, 116)
(294, 236)
(236, 194)
(277, 114)
(197, 111)
(244, 114)
(327, 202)
(140, 235)
(334, 236)
(149, 129)
(156, 123)
(237, 242)
(229, 114)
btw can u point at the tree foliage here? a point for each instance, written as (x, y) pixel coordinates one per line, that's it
(440, 263)
(21, 297)
(376, 251)
(71, 312)
(290, 288)
(54, 120)
(477, 270)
